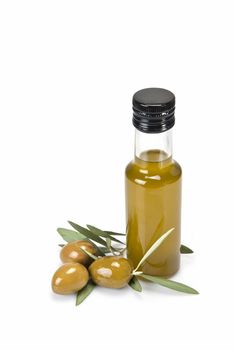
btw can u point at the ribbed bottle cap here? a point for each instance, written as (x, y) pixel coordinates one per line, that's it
(153, 110)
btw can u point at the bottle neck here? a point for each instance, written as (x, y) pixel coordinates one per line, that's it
(153, 147)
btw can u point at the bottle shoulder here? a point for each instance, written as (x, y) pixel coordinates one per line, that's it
(177, 167)
(153, 173)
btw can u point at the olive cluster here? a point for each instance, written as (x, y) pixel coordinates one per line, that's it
(79, 267)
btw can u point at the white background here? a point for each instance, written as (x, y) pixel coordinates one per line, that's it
(68, 73)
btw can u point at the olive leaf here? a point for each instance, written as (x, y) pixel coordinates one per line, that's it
(185, 250)
(104, 250)
(70, 235)
(154, 247)
(99, 232)
(135, 284)
(179, 287)
(137, 273)
(89, 254)
(83, 293)
(113, 250)
(108, 241)
(88, 233)
(122, 251)
(111, 233)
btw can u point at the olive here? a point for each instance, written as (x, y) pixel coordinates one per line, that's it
(111, 271)
(71, 252)
(69, 278)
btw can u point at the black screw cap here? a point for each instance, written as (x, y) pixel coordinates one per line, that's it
(153, 110)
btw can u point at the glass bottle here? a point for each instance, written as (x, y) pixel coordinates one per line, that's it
(153, 184)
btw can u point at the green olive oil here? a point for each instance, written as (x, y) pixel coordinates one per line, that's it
(153, 206)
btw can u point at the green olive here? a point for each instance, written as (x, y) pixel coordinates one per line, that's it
(111, 271)
(71, 252)
(69, 278)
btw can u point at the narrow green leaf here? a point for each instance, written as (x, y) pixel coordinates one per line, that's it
(70, 235)
(83, 293)
(137, 273)
(108, 241)
(122, 251)
(185, 250)
(154, 247)
(89, 254)
(111, 249)
(84, 231)
(111, 233)
(99, 232)
(61, 245)
(135, 284)
(104, 250)
(179, 287)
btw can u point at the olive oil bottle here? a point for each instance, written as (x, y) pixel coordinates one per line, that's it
(153, 184)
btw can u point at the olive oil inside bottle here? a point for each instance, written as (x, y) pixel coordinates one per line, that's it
(153, 206)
